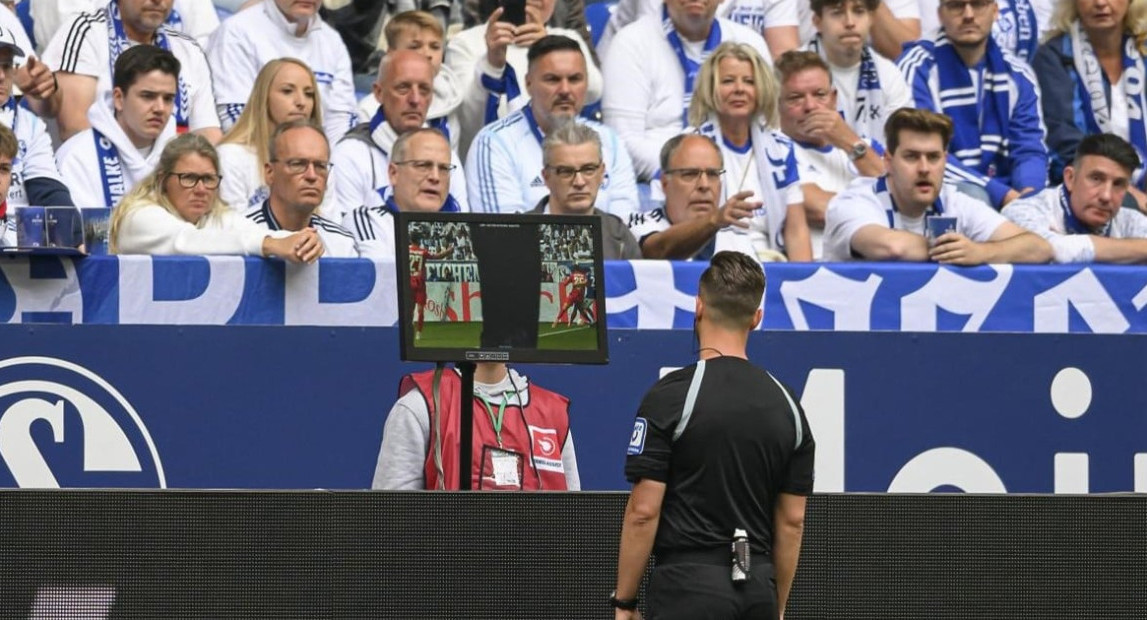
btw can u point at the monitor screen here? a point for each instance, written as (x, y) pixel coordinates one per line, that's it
(501, 287)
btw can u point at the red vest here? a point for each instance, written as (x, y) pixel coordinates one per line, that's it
(537, 437)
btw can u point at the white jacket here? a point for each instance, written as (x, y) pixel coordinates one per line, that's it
(151, 229)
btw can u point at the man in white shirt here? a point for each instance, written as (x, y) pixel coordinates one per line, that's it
(651, 69)
(887, 218)
(296, 172)
(84, 51)
(829, 152)
(419, 181)
(405, 91)
(691, 225)
(273, 29)
(504, 167)
(129, 128)
(1082, 218)
(8, 149)
(869, 87)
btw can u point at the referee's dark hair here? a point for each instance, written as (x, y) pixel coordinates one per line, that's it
(1110, 146)
(139, 60)
(731, 289)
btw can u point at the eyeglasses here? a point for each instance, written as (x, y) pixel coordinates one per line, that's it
(691, 175)
(191, 179)
(958, 7)
(300, 165)
(424, 166)
(567, 173)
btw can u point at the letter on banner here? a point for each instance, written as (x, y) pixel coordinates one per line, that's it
(956, 294)
(823, 403)
(214, 306)
(305, 307)
(947, 467)
(655, 296)
(849, 300)
(58, 295)
(1084, 292)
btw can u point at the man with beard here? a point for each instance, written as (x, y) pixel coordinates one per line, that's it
(886, 218)
(504, 166)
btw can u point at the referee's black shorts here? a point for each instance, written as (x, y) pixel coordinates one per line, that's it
(697, 586)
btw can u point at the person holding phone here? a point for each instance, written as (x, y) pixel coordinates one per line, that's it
(497, 52)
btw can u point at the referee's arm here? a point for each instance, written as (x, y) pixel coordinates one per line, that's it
(638, 529)
(788, 518)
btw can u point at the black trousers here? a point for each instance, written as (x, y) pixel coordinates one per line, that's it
(694, 591)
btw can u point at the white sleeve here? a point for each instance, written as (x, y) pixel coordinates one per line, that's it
(198, 79)
(1029, 214)
(352, 175)
(234, 187)
(73, 49)
(627, 12)
(152, 230)
(458, 183)
(491, 177)
(373, 233)
(780, 13)
(47, 17)
(340, 109)
(594, 81)
(80, 171)
(847, 213)
(978, 221)
(199, 18)
(405, 445)
(628, 101)
(569, 464)
(39, 159)
(644, 224)
(462, 58)
(233, 57)
(623, 198)
(904, 9)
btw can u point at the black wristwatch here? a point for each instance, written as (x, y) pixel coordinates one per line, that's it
(626, 604)
(857, 151)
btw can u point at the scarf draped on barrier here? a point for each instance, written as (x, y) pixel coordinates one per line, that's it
(118, 42)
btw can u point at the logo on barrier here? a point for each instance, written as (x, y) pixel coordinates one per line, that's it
(62, 425)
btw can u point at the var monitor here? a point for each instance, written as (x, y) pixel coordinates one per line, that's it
(501, 288)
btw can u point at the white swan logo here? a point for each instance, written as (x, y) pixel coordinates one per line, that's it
(103, 441)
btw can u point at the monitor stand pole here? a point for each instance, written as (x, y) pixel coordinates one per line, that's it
(466, 426)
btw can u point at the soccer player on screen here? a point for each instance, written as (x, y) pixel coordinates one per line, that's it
(576, 283)
(418, 257)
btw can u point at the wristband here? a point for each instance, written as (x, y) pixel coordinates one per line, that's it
(626, 604)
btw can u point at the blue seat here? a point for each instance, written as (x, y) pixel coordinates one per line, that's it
(24, 12)
(597, 16)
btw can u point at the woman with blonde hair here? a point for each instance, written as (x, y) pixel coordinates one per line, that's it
(1091, 70)
(176, 210)
(735, 104)
(285, 90)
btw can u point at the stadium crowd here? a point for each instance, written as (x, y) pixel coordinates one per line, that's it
(784, 129)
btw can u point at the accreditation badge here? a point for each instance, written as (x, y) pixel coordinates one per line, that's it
(501, 469)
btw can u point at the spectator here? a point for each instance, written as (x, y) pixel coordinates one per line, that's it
(1019, 28)
(285, 90)
(868, 86)
(651, 72)
(34, 179)
(491, 62)
(521, 434)
(990, 96)
(886, 218)
(85, 51)
(504, 165)
(829, 152)
(1090, 73)
(298, 163)
(9, 147)
(573, 171)
(405, 91)
(420, 32)
(34, 79)
(128, 129)
(273, 29)
(194, 18)
(691, 225)
(1082, 218)
(567, 15)
(419, 181)
(175, 210)
(736, 106)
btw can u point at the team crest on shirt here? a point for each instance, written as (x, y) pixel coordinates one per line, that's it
(637, 439)
(546, 449)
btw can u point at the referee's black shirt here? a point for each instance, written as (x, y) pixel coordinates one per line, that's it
(737, 452)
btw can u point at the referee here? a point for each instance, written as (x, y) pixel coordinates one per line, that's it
(717, 447)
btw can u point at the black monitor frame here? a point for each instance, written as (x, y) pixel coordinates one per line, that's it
(411, 352)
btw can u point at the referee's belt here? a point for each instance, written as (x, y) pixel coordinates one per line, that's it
(716, 557)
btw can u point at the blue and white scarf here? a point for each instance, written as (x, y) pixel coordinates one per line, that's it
(981, 118)
(1071, 224)
(1097, 109)
(112, 176)
(869, 111)
(507, 86)
(118, 42)
(174, 20)
(1016, 28)
(688, 65)
(891, 210)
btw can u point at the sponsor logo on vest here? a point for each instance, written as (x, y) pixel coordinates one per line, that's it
(546, 449)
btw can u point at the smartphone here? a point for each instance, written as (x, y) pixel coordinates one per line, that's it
(513, 11)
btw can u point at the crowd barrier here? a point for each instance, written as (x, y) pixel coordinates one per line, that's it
(315, 555)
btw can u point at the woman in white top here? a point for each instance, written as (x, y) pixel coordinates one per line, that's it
(176, 210)
(285, 90)
(735, 104)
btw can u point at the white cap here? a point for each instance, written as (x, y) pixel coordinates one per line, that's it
(8, 39)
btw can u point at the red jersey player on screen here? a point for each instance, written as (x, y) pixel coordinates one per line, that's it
(418, 257)
(576, 283)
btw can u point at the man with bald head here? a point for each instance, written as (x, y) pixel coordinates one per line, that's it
(404, 90)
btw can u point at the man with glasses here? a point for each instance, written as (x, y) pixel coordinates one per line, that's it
(503, 168)
(404, 89)
(298, 164)
(419, 181)
(692, 225)
(991, 97)
(573, 172)
(129, 128)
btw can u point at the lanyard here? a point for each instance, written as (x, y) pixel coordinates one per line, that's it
(496, 422)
